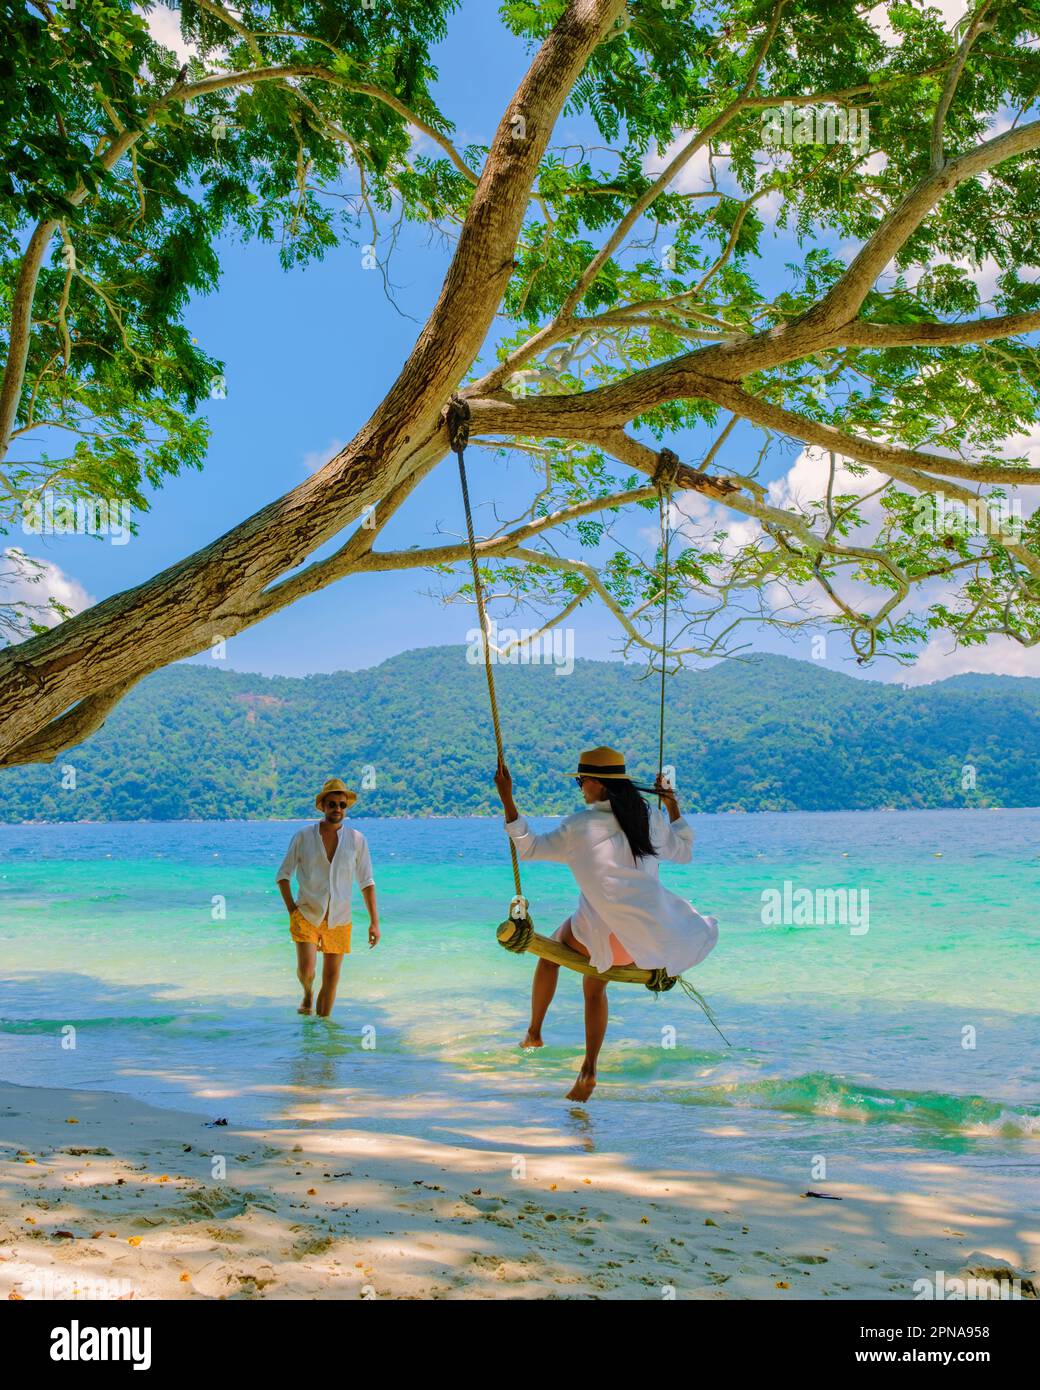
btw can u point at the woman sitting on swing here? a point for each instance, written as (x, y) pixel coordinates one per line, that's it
(624, 916)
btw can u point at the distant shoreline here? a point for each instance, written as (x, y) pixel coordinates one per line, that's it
(540, 815)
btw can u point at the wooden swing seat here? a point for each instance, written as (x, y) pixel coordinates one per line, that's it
(559, 954)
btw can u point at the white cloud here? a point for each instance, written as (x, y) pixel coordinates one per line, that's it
(877, 18)
(952, 12)
(805, 482)
(985, 276)
(695, 175)
(419, 143)
(696, 517)
(998, 656)
(318, 458)
(1000, 124)
(51, 582)
(694, 506)
(1025, 446)
(802, 601)
(164, 25)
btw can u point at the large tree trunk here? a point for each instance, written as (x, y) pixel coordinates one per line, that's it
(97, 654)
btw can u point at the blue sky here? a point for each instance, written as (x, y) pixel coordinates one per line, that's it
(309, 354)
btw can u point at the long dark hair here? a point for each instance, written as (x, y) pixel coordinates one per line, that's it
(632, 814)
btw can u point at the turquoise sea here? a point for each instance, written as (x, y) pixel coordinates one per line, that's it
(907, 1052)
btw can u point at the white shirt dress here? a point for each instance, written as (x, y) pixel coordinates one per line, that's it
(623, 895)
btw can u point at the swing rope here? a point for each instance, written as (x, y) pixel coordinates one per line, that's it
(664, 477)
(457, 420)
(518, 933)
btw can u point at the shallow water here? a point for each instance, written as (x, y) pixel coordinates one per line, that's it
(903, 1050)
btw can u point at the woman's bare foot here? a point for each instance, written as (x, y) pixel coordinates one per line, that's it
(532, 1040)
(584, 1086)
(307, 1007)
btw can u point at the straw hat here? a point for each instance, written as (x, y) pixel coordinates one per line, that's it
(605, 764)
(335, 785)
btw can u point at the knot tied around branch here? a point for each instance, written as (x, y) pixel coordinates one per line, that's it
(456, 416)
(667, 471)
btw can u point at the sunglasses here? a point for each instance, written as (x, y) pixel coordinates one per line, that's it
(649, 790)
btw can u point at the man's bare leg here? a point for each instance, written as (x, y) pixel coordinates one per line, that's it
(596, 1014)
(330, 968)
(306, 958)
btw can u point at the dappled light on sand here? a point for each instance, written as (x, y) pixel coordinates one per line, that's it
(352, 1214)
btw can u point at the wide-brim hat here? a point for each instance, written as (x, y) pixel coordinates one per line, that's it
(605, 764)
(335, 785)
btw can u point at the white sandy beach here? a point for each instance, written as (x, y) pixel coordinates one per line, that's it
(104, 1196)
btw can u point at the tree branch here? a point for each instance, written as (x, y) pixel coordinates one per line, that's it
(843, 300)
(863, 333)
(953, 77)
(70, 729)
(497, 547)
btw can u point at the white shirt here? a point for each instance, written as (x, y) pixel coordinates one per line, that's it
(324, 884)
(621, 894)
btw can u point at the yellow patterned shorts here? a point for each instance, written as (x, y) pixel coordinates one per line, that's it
(333, 941)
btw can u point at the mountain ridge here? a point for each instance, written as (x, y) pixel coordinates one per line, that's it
(761, 732)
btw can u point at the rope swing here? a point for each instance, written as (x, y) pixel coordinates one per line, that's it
(517, 933)
(664, 477)
(457, 419)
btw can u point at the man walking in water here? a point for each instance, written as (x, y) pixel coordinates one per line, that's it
(328, 858)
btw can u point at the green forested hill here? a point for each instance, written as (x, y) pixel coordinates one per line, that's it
(766, 733)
